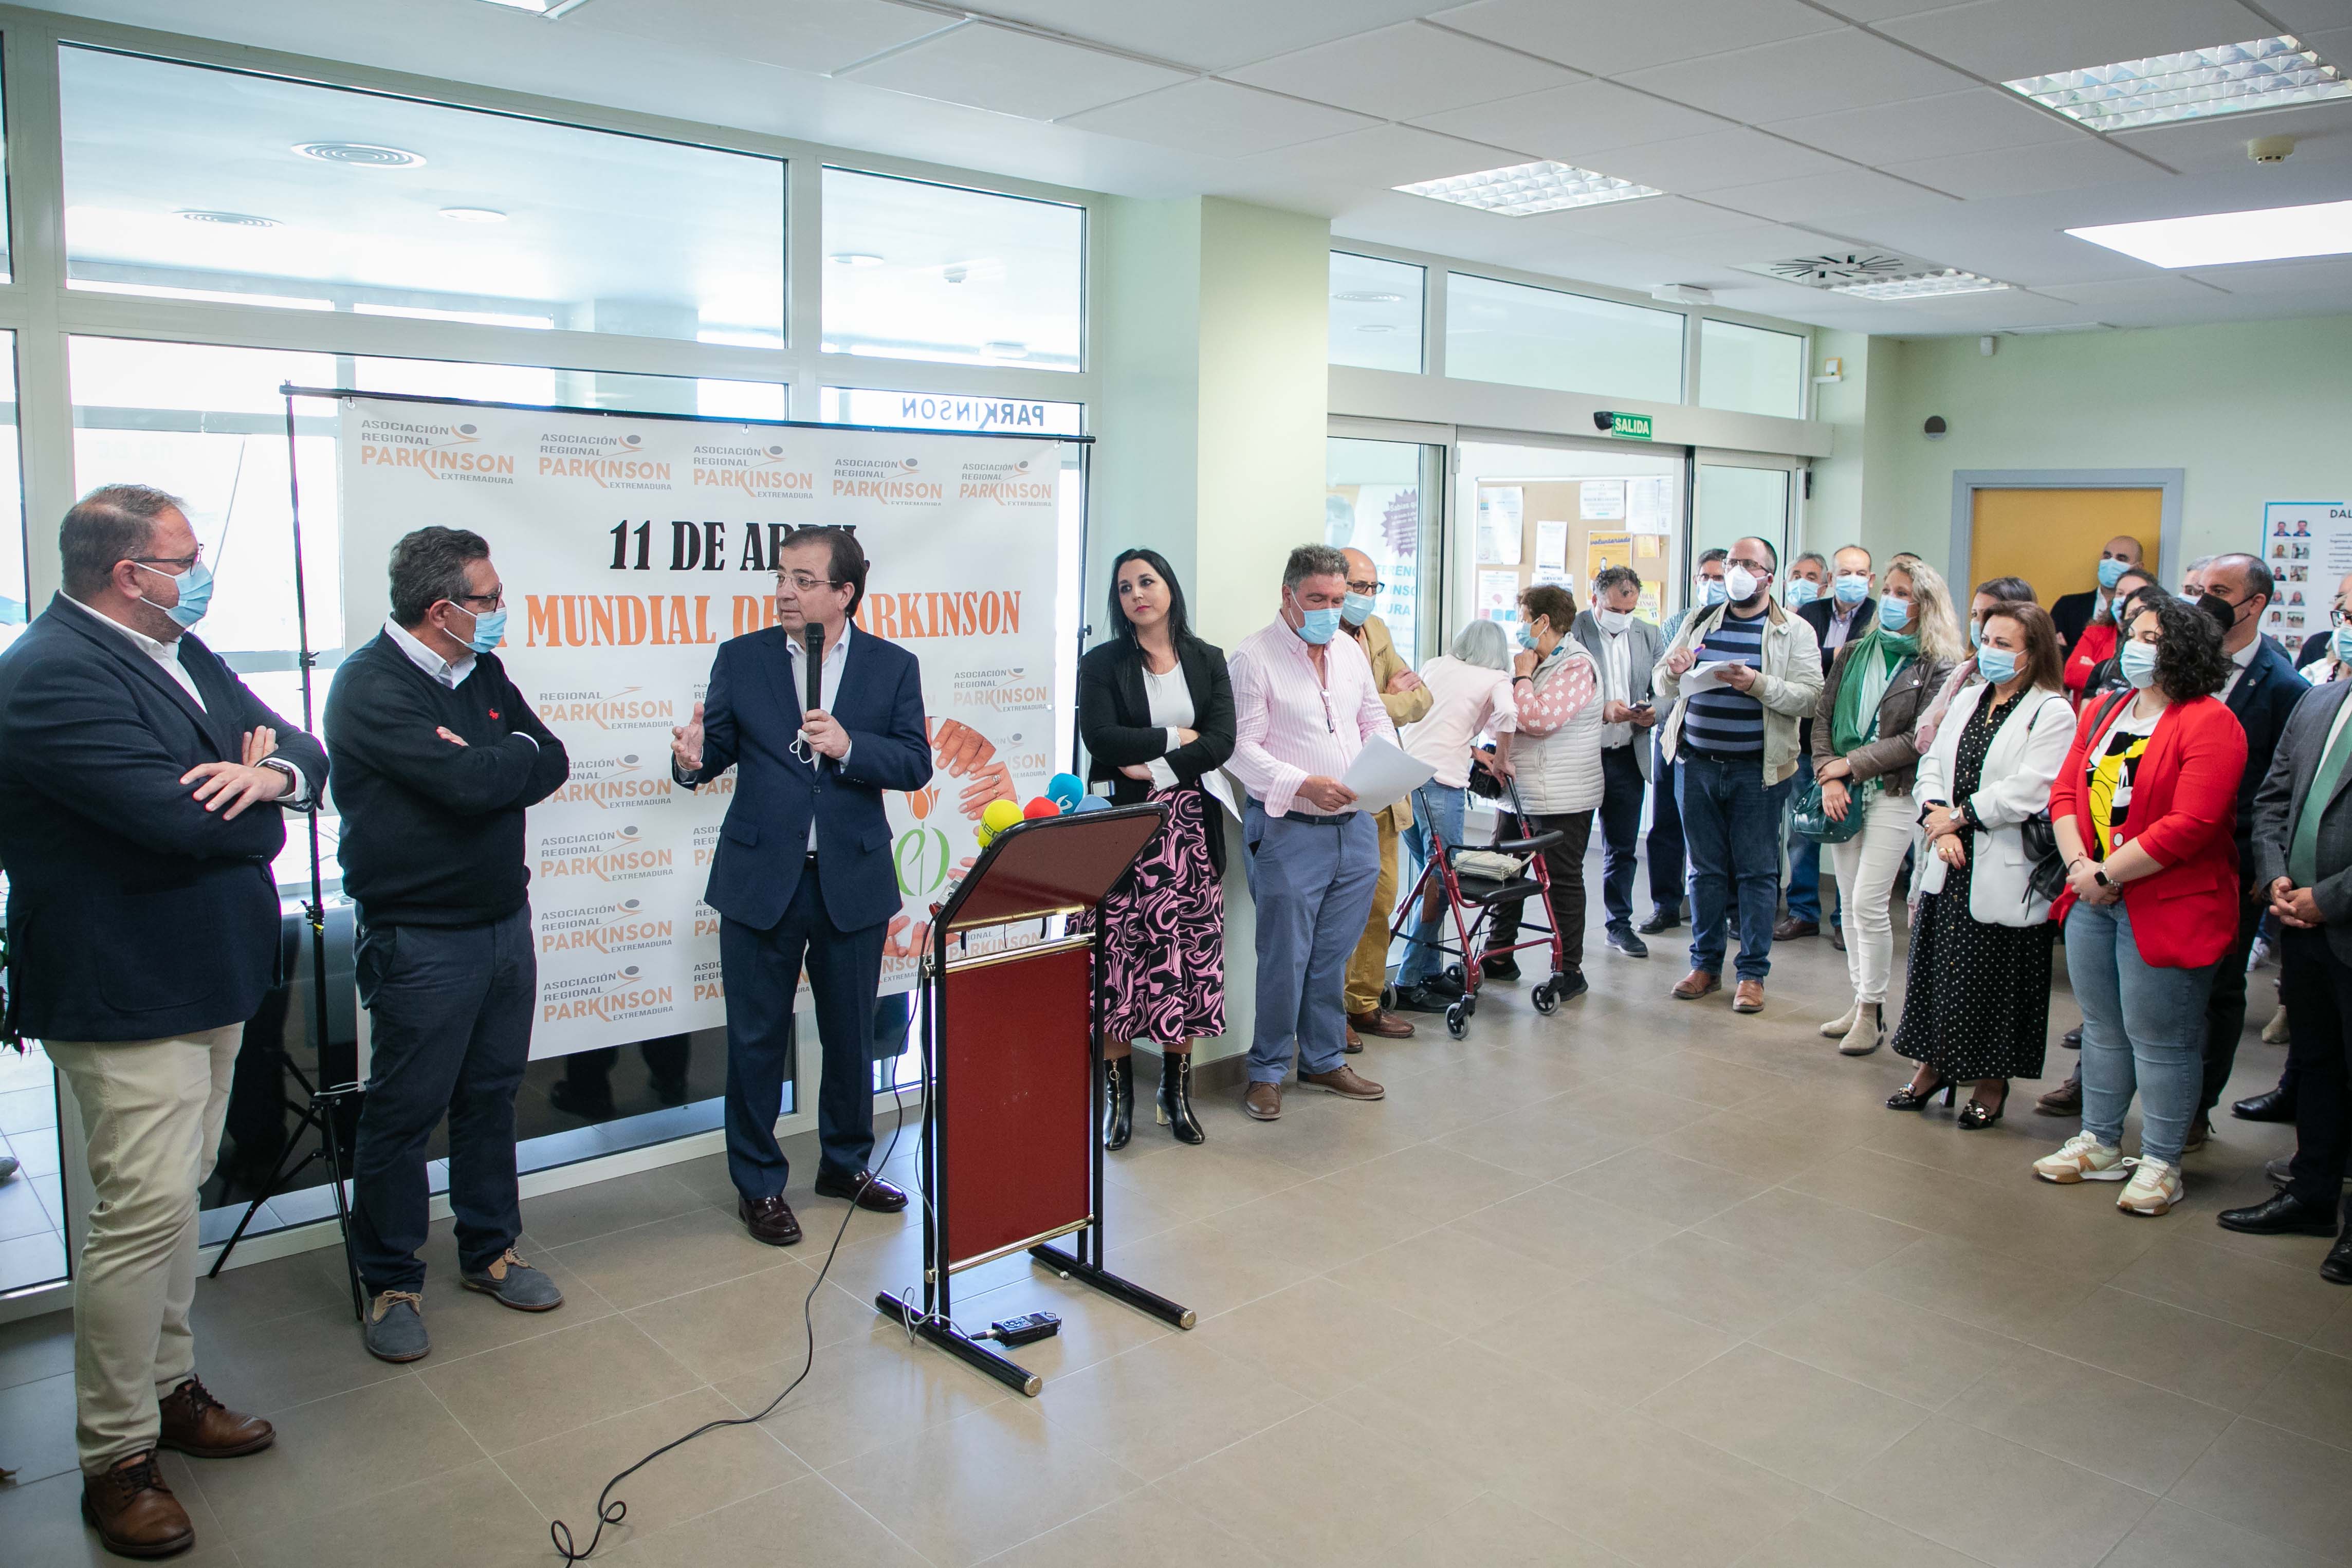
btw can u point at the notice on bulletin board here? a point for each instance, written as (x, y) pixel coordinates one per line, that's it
(1498, 596)
(1646, 504)
(1501, 509)
(2307, 545)
(1552, 543)
(1602, 500)
(1603, 551)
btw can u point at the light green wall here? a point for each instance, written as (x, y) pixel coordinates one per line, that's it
(2253, 412)
(1852, 484)
(1147, 423)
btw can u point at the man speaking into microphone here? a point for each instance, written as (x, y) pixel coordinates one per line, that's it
(819, 721)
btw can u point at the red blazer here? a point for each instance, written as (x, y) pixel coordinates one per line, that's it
(2184, 811)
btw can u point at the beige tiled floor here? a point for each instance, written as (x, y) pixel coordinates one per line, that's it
(1644, 1283)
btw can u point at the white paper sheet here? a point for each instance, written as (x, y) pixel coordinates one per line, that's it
(1705, 677)
(1551, 542)
(1500, 514)
(1602, 500)
(1384, 773)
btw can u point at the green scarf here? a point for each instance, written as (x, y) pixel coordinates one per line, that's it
(1868, 669)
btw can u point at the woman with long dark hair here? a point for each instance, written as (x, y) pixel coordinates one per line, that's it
(1156, 711)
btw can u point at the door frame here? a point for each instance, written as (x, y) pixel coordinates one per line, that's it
(1967, 481)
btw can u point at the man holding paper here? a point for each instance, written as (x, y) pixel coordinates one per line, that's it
(1407, 702)
(1305, 704)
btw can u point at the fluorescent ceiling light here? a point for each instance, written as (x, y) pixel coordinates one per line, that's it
(854, 258)
(1947, 280)
(2218, 239)
(1525, 189)
(551, 9)
(2228, 78)
(227, 220)
(477, 318)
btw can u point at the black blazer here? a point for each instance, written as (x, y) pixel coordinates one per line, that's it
(1817, 616)
(134, 912)
(1114, 721)
(2070, 612)
(2265, 695)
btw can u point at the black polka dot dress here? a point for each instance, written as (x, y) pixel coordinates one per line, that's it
(1977, 1002)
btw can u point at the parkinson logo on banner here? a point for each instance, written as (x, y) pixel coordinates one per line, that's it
(630, 548)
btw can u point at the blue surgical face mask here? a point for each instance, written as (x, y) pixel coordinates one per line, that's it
(2339, 643)
(1975, 635)
(1894, 613)
(1356, 609)
(1996, 664)
(2111, 570)
(1319, 625)
(1801, 591)
(195, 592)
(1851, 587)
(1711, 591)
(2138, 662)
(488, 627)
(1527, 639)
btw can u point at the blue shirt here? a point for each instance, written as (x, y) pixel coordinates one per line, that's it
(1721, 720)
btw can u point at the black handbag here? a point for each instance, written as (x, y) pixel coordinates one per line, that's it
(2047, 880)
(1483, 782)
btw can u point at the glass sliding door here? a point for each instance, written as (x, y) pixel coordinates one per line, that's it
(1384, 497)
(1740, 495)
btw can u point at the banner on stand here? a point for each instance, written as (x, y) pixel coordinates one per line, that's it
(631, 547)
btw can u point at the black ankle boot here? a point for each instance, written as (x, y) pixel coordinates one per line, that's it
(1119, 1101)
(1176, 1098)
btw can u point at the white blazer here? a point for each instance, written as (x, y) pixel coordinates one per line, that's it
(2019, 768)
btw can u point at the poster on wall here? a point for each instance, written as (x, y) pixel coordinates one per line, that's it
(1648, 505)
(631, 547)
(1602, 500)
(1552, 543)
(2307, 545)
(1384, 522)
(1603, 551)
(1501, 509)
(1498, 596)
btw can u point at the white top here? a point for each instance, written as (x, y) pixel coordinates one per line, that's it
(446, 672)
(2239, 662)
(828, 688)
(1170, 700)
(166, 654)
(1464, 701)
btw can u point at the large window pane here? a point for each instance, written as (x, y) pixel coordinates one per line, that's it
(948, 411)
(1380, 497)
(1375, 313)
(1735, 502)
(15, 593)
(919, 271)
(1544, 338)
(185, 182)
(1752, 370)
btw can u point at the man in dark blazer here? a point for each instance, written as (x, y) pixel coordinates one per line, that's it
(2303, 863)
(1848, 609)
(1624, 648)
(2070, 612)
(141, 791)
(803, 873)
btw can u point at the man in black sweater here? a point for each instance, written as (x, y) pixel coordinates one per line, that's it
(434, 755)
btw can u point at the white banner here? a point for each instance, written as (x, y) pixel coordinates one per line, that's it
(630, 548)
(2307, 545)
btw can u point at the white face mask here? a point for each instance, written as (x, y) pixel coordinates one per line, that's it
(1614, 620)
(1739, 584)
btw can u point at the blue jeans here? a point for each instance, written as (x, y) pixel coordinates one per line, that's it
(2142, 1026)
(1804, 856)
(1434, 806)
(1731, 821)
(1667, 888)
(1312, 885)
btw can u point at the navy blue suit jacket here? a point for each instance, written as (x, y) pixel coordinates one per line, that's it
(2263, 697)
(750, 716)
(134, 912)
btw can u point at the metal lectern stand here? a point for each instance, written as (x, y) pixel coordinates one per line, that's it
(1011, 1156)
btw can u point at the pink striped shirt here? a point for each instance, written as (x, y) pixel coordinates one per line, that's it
(1290, 724)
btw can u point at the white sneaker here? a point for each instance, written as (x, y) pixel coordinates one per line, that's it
(2257, 956)
(2081, 1158)
(1840, 1026)
(2153, 1189)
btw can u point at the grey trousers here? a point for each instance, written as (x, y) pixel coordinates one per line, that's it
(1312, 885)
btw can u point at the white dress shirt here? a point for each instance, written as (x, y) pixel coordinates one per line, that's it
(444, 671)
(1616, 682)
(2238, 662)
(828, 688)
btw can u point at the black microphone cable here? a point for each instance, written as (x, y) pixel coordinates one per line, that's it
(614, 1511)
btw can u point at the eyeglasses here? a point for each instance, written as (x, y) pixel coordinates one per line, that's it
(2340, 616)
(178, 562)
(1365, 587)
(496, 599)
(806, 583)
(1755, 567)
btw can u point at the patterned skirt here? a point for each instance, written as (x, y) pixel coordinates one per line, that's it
(1164, 933)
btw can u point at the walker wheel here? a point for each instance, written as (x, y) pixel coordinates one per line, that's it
(1454, 973)
(1547, 1000)
(1470, 1006)
(1458, 1020)
(1388, 998)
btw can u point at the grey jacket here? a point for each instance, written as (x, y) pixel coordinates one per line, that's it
(2286, 795)
(1645, 642)
(1791, 687)
(1894, 756)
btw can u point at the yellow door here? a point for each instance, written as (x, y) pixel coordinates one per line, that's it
(2051, 538)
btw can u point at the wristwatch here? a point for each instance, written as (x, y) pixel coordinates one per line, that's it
(2100, 876)
(293, 779)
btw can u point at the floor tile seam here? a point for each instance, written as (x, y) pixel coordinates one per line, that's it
(2150, 1502)
(765, 1268)
(2115, 1284)
(2228, 1524)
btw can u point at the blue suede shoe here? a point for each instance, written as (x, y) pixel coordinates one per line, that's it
(395, 1326)
(513, 1282)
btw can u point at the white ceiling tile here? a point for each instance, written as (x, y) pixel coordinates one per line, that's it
(1576, 122)
(2029, 171)
(2111, 301)
(2322, 133)
(2005, 39)
(1716, 162)
(2315, 276)
(1980, 120)
(1653, 221)
(1403, 72)
(1869, 13)
(1388, 155)
(1208, 33)
(818, 35)
(1218, 118)
(2307, 19)
(1816, 198)
(1845, 69)
(1763, 243)
(1992, 310)
(1013, 73)
(1607, 36)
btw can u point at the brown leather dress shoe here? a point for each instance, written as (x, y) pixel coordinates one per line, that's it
(198, 1424)
(1262, 1101)
(1696, 984)
(863, 1188)
(2067, 1099)
(1747, 997)
(135, 1512)
(768, 1220)
(1351, 1044)
(1790, 928)
(1381, 1022)
(1344, 1082)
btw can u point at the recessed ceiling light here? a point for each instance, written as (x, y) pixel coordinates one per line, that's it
(227, 220)
(551, 9)
(2228, 78)
(2218, 239)
(854, 258)
(1525, 189)
(1369, 297)
(361, 154)
(474, 215)
(1945, 280)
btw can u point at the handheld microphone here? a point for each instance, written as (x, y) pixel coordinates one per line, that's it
(1039, 809)
(815, 635)
(1064, 791)
(998, 816)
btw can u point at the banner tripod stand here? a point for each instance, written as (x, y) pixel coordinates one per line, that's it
(319, 1105)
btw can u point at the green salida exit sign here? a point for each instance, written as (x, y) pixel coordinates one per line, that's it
(1631, 426)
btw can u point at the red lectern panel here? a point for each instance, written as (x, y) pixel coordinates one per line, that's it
(1016, 1100)
(1061, 862)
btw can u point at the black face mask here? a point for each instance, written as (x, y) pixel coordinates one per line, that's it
(2223, 613)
